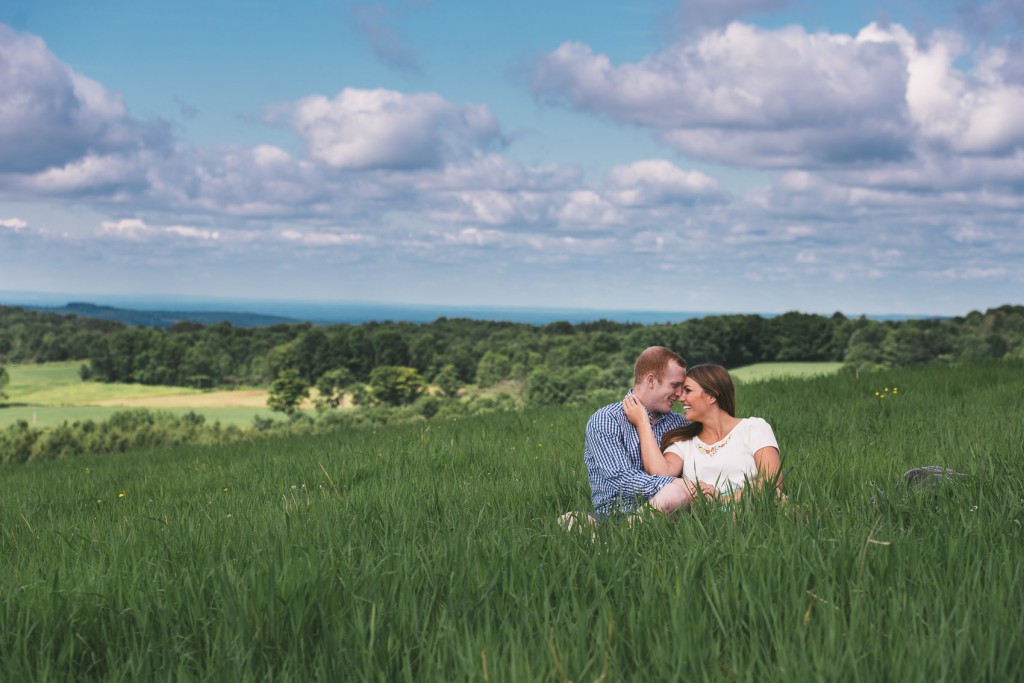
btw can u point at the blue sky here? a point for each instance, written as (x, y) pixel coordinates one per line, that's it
(709, 155)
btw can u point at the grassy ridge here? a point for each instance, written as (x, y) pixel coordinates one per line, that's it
(431, 553)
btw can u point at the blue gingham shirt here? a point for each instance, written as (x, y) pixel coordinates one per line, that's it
(614, 466)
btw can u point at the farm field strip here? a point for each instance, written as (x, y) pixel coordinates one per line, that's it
(762, 371)
(49, 394)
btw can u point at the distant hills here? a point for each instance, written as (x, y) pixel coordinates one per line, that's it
(162, 313)
(162, 319)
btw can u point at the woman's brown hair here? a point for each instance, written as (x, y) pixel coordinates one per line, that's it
(716, 382)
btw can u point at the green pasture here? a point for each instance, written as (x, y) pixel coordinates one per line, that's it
(49, 394)
(430, 552)
(59, 384)
(51, 416)
(762, 371)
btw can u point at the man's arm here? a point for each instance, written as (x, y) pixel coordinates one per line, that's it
(610, 467)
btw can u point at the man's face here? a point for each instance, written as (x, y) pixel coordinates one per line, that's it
(660, 395)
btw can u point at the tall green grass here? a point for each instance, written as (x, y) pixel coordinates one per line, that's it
(430, 552)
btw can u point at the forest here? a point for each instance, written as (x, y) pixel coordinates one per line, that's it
(449, 369)
(554, 362)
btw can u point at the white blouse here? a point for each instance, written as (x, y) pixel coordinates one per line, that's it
(729, 463)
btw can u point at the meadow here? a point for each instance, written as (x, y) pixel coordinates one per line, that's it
(430, 552)
(757, 372)
(49, 394)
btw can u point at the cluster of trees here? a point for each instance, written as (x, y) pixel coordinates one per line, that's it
(30, 336)
(392, 363)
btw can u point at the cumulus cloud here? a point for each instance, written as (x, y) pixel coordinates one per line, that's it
(789, 98)
(748, 95)
(657, 181)
(587, 209)
(386, 129)
(51, 116)
(972, 113)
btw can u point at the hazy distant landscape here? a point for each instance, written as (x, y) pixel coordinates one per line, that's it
(165, 311)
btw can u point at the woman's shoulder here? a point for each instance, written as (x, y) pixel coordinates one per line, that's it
(758, 432)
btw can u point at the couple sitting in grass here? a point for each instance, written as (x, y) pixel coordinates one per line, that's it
(640, 454)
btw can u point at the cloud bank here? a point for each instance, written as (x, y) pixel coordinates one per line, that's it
(882, 153)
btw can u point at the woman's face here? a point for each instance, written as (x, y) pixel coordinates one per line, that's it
(695, 400)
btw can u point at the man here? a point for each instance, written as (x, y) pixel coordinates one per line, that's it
(612, 452)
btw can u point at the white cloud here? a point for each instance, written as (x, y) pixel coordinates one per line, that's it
(477, 237)
(970, 274)
(136, 230)
(324, 239)
(372, 129)
(973, 113)
(13, 224)
(586, 208)
(128, 228)
(970, 233)
(51, 116)
(748, 95)
(788, 98)
(191, 233)
(806, 256)
(657, 181)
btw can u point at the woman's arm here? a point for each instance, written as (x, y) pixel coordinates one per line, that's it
(655, 462)
(769, 470)
(769, 467)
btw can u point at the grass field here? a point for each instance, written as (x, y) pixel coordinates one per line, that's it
(49, 394)
(430, 552)
(762, 371)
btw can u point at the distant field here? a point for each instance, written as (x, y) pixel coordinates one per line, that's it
(762, 371)
(58, 384)
(51, 416)
(49, 394)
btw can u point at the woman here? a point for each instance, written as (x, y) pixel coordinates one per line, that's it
(716, 448)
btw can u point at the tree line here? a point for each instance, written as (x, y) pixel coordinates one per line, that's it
(392, 362)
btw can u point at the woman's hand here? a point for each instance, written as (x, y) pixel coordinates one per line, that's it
(709, 490)
(635, 411)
